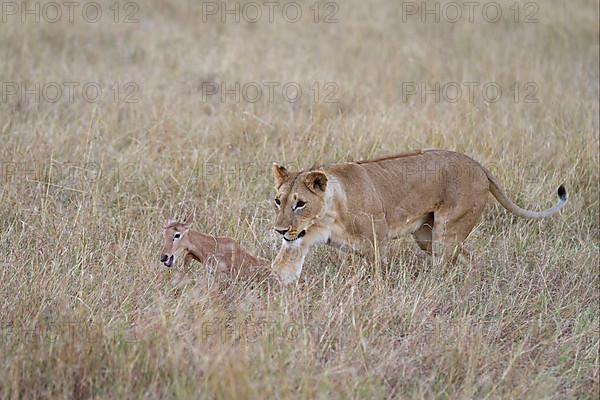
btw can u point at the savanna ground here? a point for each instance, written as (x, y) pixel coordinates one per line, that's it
(87, 309)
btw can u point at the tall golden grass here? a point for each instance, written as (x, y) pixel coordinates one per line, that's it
(89, 312)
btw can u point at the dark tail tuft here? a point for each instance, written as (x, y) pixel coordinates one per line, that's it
(562, 193)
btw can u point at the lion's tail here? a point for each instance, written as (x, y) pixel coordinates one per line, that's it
(521, 212)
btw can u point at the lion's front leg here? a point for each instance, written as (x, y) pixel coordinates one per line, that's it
(289, 261)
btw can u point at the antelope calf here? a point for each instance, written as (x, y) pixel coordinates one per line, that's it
(230, 258)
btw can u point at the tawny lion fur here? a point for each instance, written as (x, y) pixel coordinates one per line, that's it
(437, 196)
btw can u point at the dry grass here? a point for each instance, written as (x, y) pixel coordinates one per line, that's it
(88, 311)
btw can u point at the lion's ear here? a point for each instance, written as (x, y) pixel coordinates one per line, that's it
(316, 182)
(280, 174)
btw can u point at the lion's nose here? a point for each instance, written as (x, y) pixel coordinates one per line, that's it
(281, 231)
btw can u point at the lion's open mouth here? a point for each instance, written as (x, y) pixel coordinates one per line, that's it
(300, 235)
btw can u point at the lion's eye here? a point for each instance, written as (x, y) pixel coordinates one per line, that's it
(299, 205)
(177, 236)
(277, 202)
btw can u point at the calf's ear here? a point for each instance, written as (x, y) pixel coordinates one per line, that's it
(188, 220)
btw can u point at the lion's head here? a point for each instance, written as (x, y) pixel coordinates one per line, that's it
(300, 201)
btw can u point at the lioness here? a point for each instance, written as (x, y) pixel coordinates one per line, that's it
(435, 195)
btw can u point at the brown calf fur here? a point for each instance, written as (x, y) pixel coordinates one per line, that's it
(229, 257)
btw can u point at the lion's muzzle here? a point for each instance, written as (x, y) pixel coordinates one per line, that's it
(290, 238)
(290, 234)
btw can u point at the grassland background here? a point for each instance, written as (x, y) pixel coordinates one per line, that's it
(88, 311)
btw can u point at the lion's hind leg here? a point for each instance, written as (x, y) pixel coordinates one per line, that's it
(451, 227)
(423, 234)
